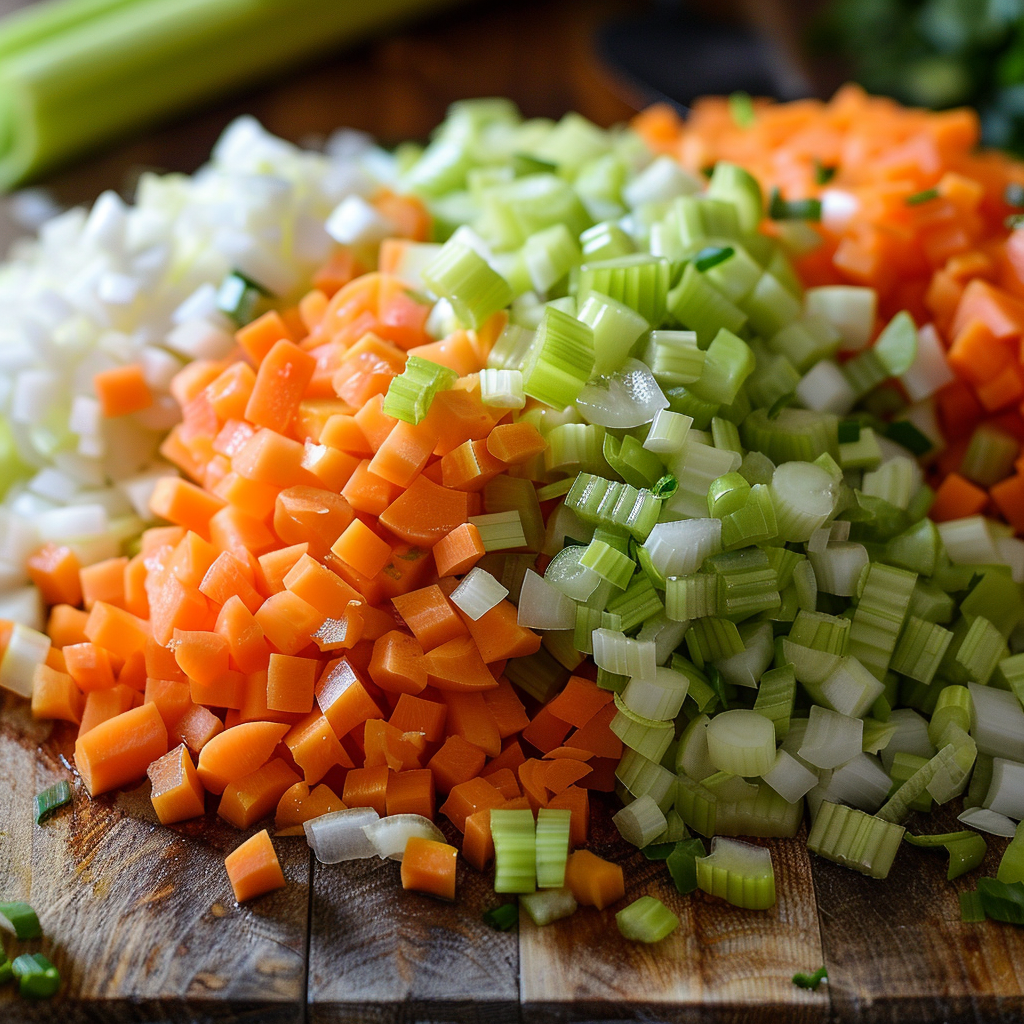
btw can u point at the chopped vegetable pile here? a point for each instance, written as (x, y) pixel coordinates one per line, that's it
(577, 469)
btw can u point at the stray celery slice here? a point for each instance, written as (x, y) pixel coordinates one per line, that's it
(646, 920)
(966, 849)
(682, 864)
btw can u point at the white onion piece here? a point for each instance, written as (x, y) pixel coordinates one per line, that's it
(26, 649)
(543, 606)
(627, 398)
(478, 593)
(1006, 791)
(986, 820)
(389, 835)
(339, 836)
(678, 549)
(929, 371)
(997, 722)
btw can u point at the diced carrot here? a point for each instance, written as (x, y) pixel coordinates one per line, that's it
(367, 492)
(177, 794)
(456, 762)
(116, 630)
(234, 753)
(429, 866)
(597, 736)
(255, 498)
(255, 795)
(1008, 496)
(425, 512)
(230, 689)
(577, 802)
(1000, 312)
(579, 701)
(122, 390)
(498, 634)
(367, 787)
(402, 455)
(54, 570)
(469, 797)
(385, 744)
(343, 432)
(197, 727)
(956, 498)
(457, 666)
(477, 844)
(201, 655)
(457, 416)
(120, 750)
(227, 577)
(288, 622)
(407, 213)
(559, 773)
(299, 805)
(344, 700)
(504, 780)
(315, 747)
(311, 515)
(271, 458)
(234, 530)
(244, 635)
(102, 705)
(332, 468)
(274, 567)
(397, 663)
(290, 683)
(594, 882)
(55, 695)
(191, 559)
(506, 709)
(511, 757)
(470, 466)
(416, 713)
(338, 271)
(430, 615)
(532, 779)
(103, 581)
(411, 792)
(185, 504)
(359, 547)
(171, 698)
(514, 443)
(89, 666)
(136, 600)
(368, 368)
(262, 334)
(457, 552)
(66, 625)
(470, 717)
(456, 351)
(253, 868)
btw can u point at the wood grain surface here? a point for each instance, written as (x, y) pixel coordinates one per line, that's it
(140, 919)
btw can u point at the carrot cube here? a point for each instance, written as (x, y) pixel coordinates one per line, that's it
(315, 747)
(185, 504)
(362, 549)
(177, 793)
(288, 622)
(429, 866)
(54, 570)
(344, 700)
(253, 868)
(411, 792)
(290, 683)
(120, 750)
(367, 787)
(122, 390)
(257, 794)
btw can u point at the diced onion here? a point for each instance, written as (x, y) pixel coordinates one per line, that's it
(339, 836)
(388, 836)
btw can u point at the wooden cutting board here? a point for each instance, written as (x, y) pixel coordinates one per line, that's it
(141, 922)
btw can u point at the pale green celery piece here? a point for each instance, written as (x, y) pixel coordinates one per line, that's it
(953, 705)
(640, 821)
(900, 804)
(605, 241)
(638, 603)
(981, 779)
(715, 639)
(548, 905)
(644, 735)
(727, 494)
(877, 734)
(754, 523)
(762, 814)
(856, 840)
(774, 378)
(916, 549)
(757, 468)
(747, 583)
(517, 210)
(610, 681)
(990, 456)
(920, 649)
(552, 847)
(776, 695)
(683, 401)
(609, 564)
(696, 805)
(976, 648)
(896, 346)
(726, 435)
(732, 184)
(638, 280)
(602, 502)
(736, 276)
(540, 675)
(879, 616)
(410, 394)
(783, 271)
(576, 446)
(794, 435)
(770, 306)
(560, 359)
(806, 341)
(996, 597)
(630, 460)
(515, 850)
(691, 597)
(549, 255)
(864, 453)
(616, 329)
(821, 632)
(740, 873)
(644, 777)
(700, 690)
(728, 363)
(700, 307)
(464, 278)
(1011, 864)
(1009, 675)
(646, 920)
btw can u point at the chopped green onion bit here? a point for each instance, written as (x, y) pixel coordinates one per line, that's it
(811, 981)
(502, 918)
(925, 196)
(52, 800)
(20, 918)
(37, 977)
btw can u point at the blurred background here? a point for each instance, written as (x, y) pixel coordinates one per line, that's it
(604, 58)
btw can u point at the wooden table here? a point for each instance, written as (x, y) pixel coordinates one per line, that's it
(140, 919)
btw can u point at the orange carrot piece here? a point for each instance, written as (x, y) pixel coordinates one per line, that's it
(561, 772)
(54, 570)
(261, 335)
(120, 750)
(514, 443)
(504, 780)
(499, 636)
(258, 499)
(89, 666)
(185, 504)
(456, 351)
(414, 713)
(190, 560)
(197, 727)
(425, 512)
(344, 699)
(506, 709)
(102, 705)
(136, 600)
(227, 577)
(288, 622)
(55, 695)
(201, 655)
(403, 454)
(367, 492)
(253, 868)
(477, 844)
(511, 757)
(956, 498)
(244, 635)
(531, 777)
(311, 515)
(594, 882)
(274, 567)
(411, 792)
(456, 762)
(546, 731)
(248, 799)
(117, 630)
(229, 393)
(359, 547)
(332, 468)
(337, 272)
(430, 615)
(228, 690)
(385, 744)
(469, 797)
(234, 753)
(290, 683)
(171, 698)
(579, 701)
(429, 866)
(177, 794)
(299, 805)
(457, 552)
(122, 390)
(367, 787)
(234, 530)
(342, 431)
(103, 581)
(1008, 496)
(66, 625)
(397, 663)
(271, 458)
(315, 748)
(470, 717)
(457, 666)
